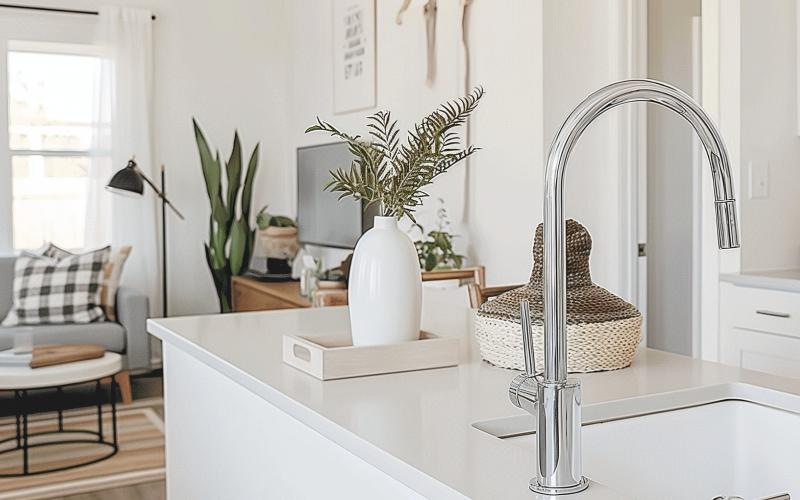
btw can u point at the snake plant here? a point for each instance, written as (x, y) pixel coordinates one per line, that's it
(231, 237)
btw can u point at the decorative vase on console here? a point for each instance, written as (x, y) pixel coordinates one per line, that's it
(385, 289)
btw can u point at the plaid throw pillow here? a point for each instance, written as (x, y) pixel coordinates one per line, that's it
(112, 272)
(54, 252)
(57, 291)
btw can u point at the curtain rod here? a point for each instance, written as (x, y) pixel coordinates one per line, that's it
(55, 9)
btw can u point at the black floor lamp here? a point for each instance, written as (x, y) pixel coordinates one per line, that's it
(130, 180)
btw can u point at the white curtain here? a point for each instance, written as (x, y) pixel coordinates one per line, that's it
(123, 129)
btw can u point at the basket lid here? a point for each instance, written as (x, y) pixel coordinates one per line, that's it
(586, 302)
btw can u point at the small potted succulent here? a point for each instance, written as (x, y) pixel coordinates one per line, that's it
(278, 234)
(391, 172)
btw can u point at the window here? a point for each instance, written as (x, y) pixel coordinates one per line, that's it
(51, 105)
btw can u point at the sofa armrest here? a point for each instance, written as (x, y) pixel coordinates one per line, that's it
(132, 312)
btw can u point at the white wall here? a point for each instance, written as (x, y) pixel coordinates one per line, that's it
(225, 64)
(222, 64)
(265, 67)
(770, 232)
(505, 179)
(582, 53)
(400, 88)
(534, 72)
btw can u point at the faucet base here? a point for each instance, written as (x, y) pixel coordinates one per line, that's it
(558, 436)
(565, 490)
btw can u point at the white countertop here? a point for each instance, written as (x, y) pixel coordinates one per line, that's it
(417, 426)
(784, 279)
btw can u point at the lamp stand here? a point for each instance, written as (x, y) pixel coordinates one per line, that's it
(163, 243)
(130, 179)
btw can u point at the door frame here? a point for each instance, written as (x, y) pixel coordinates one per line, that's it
(633, 158)
(721, 98)
(699, 163)
(718, 86)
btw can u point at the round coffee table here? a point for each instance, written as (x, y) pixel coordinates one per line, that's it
(24, 380)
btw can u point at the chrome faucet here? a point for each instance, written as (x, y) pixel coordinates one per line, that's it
(554, 398)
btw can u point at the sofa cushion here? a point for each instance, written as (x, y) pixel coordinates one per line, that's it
(107, 334)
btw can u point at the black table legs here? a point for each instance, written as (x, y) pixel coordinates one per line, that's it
(24, 440)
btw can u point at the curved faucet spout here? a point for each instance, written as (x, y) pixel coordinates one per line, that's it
(558, 400)
(625, 91)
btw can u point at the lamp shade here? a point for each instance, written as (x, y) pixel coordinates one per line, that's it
(127, 181)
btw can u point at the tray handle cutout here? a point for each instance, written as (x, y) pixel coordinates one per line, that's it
(301, 352)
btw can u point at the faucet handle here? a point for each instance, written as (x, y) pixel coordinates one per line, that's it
(523, 391)
(527, 337)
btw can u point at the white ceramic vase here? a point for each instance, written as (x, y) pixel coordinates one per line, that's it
(385, 287)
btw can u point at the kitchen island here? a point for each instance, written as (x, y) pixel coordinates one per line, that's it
(242, 424)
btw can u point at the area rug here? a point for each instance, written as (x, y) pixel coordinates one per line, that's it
(140, 458)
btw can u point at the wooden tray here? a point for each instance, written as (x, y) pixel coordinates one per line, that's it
(333, 356)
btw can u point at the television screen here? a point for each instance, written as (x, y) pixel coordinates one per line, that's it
(323, 219)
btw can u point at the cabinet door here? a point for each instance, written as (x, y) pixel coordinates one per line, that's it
(761, 351)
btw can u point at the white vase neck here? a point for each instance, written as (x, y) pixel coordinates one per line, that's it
(382, 222)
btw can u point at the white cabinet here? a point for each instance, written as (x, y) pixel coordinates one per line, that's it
(760, 329)
(224, 441)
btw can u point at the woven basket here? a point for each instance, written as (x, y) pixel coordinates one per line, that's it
(603, 330)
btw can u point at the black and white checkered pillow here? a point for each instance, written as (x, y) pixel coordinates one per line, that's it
(57, 291)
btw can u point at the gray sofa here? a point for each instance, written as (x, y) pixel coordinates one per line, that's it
(127, 336)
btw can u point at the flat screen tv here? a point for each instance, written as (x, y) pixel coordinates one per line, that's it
(323, 219)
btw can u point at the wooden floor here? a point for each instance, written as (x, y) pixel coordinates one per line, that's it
(146, 491)
(143, 387)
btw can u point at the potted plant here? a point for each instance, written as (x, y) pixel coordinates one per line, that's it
(435, 251)
(231, 238)
(385, 291)
(278, 234)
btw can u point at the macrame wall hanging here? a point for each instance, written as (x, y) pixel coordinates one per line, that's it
(429, 11)
(465, 8)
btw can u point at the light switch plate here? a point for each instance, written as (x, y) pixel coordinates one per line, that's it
(758, 179)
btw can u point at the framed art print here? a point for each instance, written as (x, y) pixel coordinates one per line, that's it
(353, 55)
